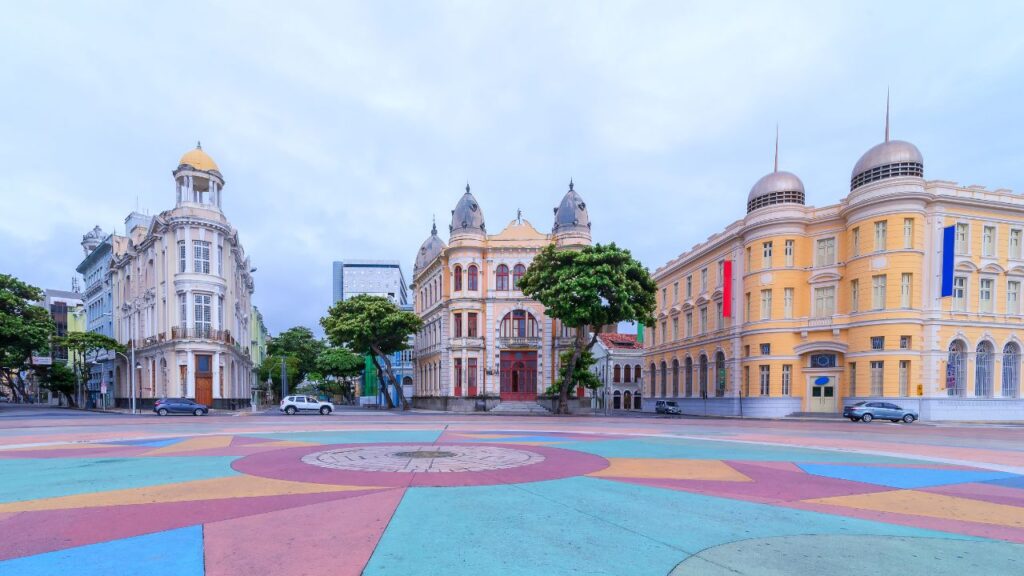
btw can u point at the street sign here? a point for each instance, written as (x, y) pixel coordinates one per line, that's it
(103, 388)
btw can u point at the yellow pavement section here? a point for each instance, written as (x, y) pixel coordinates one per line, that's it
(198, 490)
(670, 469)
(931, 505)
(192, 444)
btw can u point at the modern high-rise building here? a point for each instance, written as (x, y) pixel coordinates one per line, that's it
(376, 277)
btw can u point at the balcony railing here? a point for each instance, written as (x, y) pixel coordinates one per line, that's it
(193, 333)
(822, 322)
(466, 342)
(519, 341)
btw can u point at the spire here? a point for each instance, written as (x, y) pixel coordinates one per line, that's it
(467, 186)
(199, 145)
(887, 114)
(433, 228)
(570, 184)
(776, 146)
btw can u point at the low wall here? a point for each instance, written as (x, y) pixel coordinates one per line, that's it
(455, 403)
(756, 407)
(218, 403)
(953, 408)
(576, 405)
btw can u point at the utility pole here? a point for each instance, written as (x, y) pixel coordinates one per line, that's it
(284, 379)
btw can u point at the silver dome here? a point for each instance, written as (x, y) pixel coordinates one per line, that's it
(429, 250)
(903, 157)
(467, 216)
(778, 187)
(571, 212)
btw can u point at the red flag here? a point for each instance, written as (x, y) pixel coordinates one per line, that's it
(727, 289)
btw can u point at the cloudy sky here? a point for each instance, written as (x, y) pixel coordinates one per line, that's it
(342, 127)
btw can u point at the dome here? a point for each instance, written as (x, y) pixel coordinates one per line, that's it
(429, 250)
(467, 216)
(199, 160)
(778, 187)
(889, 159)
(571, 212)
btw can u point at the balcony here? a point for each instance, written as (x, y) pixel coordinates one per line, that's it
(191, 333)
(519, 342)
(466, 342)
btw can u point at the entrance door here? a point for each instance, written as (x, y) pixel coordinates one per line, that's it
(519, 375)
(821, 393)
(204, 379)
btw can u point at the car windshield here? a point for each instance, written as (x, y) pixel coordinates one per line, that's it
(671, 403)
(860, 403)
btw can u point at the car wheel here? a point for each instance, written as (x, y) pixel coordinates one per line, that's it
(162, 412)
(198, 412)
(325, 410)
(289, 410)
(908, 418)
(867, 418)
(852, 419)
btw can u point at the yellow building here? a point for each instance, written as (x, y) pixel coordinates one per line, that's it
(842, 303)
(482, 340)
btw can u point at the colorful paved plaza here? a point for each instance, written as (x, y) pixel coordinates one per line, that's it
(362, 493)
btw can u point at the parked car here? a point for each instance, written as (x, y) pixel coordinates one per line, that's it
(165, 406)
(667, 407)
(868, 411)
(293, 404)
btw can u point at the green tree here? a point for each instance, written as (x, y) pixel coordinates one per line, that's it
(83, 347)
(300, 343)
(271, 368)
(375, 325)
(59, 379)
(24, 328)
(339, 365)
(584, 376)
(587, 289)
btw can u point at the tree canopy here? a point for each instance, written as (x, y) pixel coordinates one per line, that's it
(271, 368)
(584, 375)
(25, 327)
(300, 343)
(85, 346)
(59, 379)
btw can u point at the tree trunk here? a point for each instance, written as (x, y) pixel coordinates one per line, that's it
(394, 381)
(570, 372)
(381, 381)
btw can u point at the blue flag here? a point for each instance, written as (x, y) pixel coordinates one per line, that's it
(948, 247)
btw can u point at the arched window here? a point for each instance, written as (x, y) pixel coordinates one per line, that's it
(616, 373)
(501, 278)
(518, 324)
(636, 373)
(1011, 370)
(517, 273)
(702, 375)
(626, 377)
(471, 278)
(654, 379)
(956, 369)
(720, 373)
(636, 401)
(458, 278)
(617, 400)
(675, 377)
(688, 376)
(664, 379)
(983, 370)
(627, 400)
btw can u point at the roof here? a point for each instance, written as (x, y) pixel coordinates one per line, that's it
(199, 160)
(619, 341)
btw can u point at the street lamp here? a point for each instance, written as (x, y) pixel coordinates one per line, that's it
(132, 364)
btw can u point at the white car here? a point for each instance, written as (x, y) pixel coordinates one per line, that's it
(292, 404)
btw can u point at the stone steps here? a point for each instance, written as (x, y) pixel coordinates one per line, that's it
(519, 407)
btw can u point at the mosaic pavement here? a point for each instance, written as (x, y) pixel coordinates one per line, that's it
(480, 498)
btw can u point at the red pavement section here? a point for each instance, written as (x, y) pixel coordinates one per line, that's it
(334, 538)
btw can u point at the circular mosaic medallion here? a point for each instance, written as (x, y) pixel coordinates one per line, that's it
(426, 458)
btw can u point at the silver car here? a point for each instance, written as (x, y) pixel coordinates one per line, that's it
(868, 411)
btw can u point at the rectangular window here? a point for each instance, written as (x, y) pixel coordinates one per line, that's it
(878, 292)
(853, 378)
(906, 286)
(689, 286)
(746, 380)
(1013, 297)
(855, 241)
(181, 256)
(877, 382)
(471, 373)
(689, 324)
(766, 255)
(203, 315)
(457, 326)
(664, 297)
(720, 278)
(750, 261)
(988, 241)
(963, 234)
(905, 342)
(703, 280)
(748, 316)
(675, 328)
(1015, 237)
(985, 294)
(765, 380)
(675, 292)
(878, 342)
(960, 293)
(220, 312)
(183, 311)
(664, 331)
(908, 232)
(201, 257)
(824, 301)
(787, 378)
(471, 324)
(881, 229)
(458, 374)
(720, 317)
(766, 304)
(787, 302)
(854, 295)
(826, 254)
(904, 376)
(789, 252)
(766, 349)
(220, 260)
(703, 319)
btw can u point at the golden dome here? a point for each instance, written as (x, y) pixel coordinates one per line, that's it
(199, 160)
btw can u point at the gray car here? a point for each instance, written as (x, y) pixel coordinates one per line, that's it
(868, 411)
(667, 407)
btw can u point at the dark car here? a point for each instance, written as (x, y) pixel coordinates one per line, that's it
(667, 407)
(868, 411)
(165, 406)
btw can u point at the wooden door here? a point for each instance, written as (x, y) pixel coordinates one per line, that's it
(204, 379)
(519, 375)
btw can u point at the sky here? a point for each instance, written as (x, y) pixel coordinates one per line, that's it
(342, 128)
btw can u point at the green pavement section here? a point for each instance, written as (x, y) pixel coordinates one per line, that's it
(354, 437)
(584, 526)
(29, 479)
(719, 450)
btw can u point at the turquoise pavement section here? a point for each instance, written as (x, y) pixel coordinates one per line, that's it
(349, 437)
(903, 477)
(715, 450)
(29, 479)
(171, 553)
(584, 526)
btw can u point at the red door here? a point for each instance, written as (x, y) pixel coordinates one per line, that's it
(519, 375)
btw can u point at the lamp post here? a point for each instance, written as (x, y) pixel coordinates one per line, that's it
(132, 365)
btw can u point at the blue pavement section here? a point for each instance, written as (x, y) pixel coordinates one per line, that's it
(158, 443)
(28, 479)
(354, 437)
(1012, 482)
(902, 477)
(171, 553)
(712, 450)
(518, 439)
(584, 526)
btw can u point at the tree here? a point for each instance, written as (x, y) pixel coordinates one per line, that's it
(300, 343)
(337, 365)
(85, 346)
(584, 376)
(24, 328)
(587, 289)
(374, 325)
(59, 379)
(271, 368)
